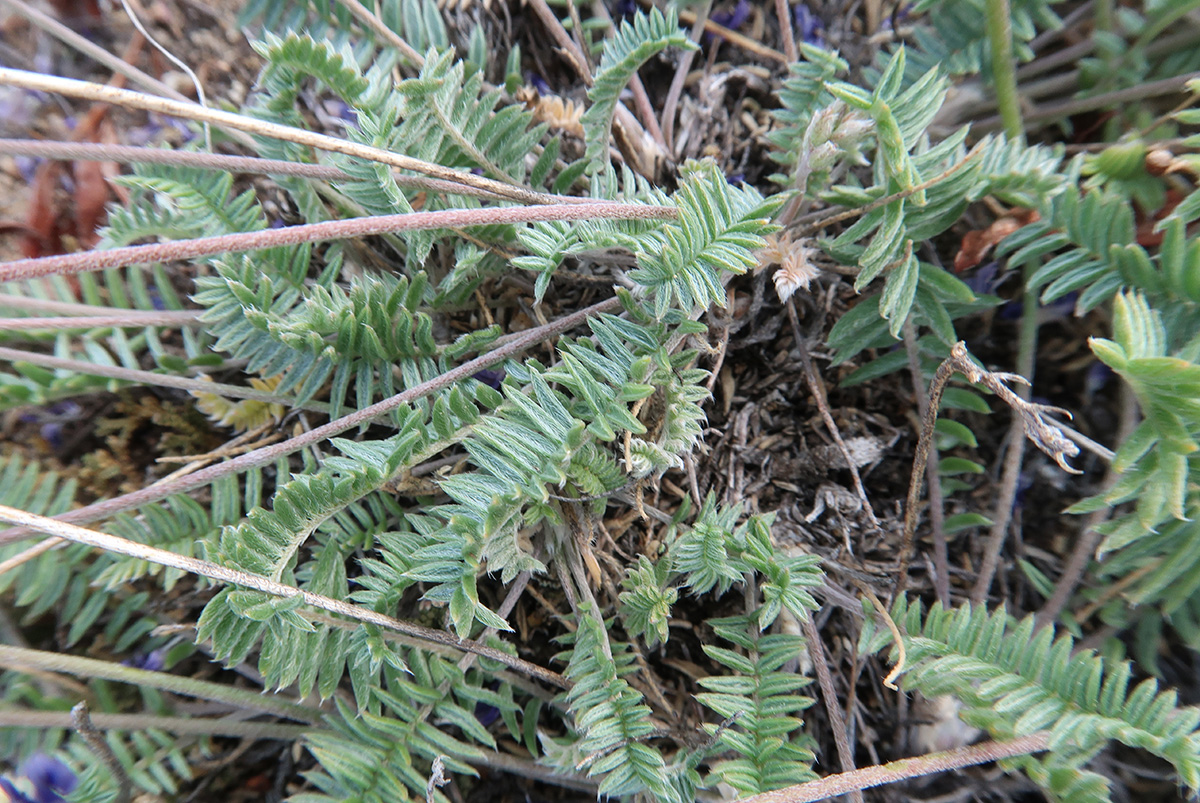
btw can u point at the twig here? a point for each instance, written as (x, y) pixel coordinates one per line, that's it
(193, 111)
(182, 726)
(555, 28)
(735, 38)
(326, 230)
(214, 571)
(151, 378)
(24, 659)
(1010, 475)
(680, 77)
(376, 26)
(903, 769)
(829, 697)
(937, 513)
(1047, 437)
(784, 14)
(269, 454)
(81, 720)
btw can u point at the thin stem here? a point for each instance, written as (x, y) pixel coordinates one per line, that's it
(326, 230)
(1053, 111)
(829, 697)
(920, 459)
(22, 659)
(677, 81)
(1027, 341)
(134, 154)
(151, 378)
(376, 26)
(131, 318)
(937, 513)
(269, 454)
(1004, 74)
(181, 726)
(905, 768)
(735, 38)
(134, 10)
(214, 571)
(563, 39)
(30, 304)
(784, 14)
(81, 720)
(193, 111)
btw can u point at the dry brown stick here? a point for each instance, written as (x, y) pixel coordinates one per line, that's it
(784, 12)
(937, 513)
(376, 26)
(904, 769)
(818, 391)
(829, 697)
(735, 38)
(677, 81)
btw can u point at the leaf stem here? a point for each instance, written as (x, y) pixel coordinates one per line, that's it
(23, 659)
(193, 111)
(903, 769)
(182, 726)
(151, 378)
(1004, 72)
(327, 230)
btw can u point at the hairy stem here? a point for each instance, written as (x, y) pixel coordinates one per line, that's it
(194, 111)
(214, 571)
(893, 772)
(151, 378)
(23, 659)
(181, 726)
(1004, 71)
(327, 230)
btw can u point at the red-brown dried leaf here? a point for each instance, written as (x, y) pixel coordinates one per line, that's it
(976, 245)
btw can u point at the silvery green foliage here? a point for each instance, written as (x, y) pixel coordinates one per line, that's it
(1017, 680)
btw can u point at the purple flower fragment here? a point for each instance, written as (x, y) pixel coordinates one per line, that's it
(808, 26)
(51, 780)
(490, 378)
(625, 9)
(537, 82)
(729, 19)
